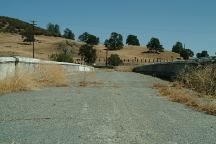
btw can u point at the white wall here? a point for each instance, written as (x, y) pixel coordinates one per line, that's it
(8, 65)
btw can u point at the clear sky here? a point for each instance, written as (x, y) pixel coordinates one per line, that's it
(192, 22)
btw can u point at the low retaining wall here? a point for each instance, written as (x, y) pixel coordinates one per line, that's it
(9, 65)
(167, 70)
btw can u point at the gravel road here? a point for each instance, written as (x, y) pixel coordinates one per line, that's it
(114, 108)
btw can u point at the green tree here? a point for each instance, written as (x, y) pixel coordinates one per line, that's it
(202, 54)
(132, 40)
(88, 53)
(28, 36)
(190, 52)
(115, 42)
(184, 53)
(178, 47)
(89, 38)
(53, 29)
(114, 60)
(68, 34)
(154, 45)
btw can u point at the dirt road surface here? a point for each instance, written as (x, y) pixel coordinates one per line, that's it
(108, 108)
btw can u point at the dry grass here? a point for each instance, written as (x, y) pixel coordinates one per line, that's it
(201, 79)
(90, 83)
(42, 76)
(11, 45)
(177, 93)
(124, 68)
(18, 82)
(52, 75)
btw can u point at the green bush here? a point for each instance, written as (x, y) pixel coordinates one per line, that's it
(114, 60)
(61, 58)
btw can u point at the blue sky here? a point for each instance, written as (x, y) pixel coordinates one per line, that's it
(192, 22)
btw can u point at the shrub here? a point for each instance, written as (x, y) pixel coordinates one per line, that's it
(201, 79)
(114, 60)
(61, 58)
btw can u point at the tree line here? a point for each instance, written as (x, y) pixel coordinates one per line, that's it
(114, 42)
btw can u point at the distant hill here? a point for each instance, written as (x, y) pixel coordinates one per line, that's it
(11, 44)
(12, 25)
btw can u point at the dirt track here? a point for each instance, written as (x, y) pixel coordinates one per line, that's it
(114, 108)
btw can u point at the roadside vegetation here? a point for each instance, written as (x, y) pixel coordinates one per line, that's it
(201, 79)
(42, 76)
(195, 87)
(114, 60)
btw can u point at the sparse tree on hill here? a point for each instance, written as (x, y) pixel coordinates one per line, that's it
(190, 52)
(69, 34)
(115, 42)
(178, 47)
(186, 54)
(28, 36)
(154, 45)
(132, 40)
(89, 38)
(202, 54)
(53, 29)
(88, 53)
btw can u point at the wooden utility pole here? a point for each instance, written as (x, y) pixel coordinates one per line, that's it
(33, 33)
(106, 57)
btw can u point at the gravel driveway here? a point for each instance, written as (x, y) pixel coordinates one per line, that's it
(114, 108)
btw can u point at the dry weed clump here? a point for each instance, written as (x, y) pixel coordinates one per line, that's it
(201, 79)
(41, 76)
(52, 75)
(176, 93)
(124, 68)
(19, 82)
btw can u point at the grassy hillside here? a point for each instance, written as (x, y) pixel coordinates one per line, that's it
(13, 25)
(11, 45)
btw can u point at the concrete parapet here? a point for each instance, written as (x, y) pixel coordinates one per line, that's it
(9, 65)
(166, 70)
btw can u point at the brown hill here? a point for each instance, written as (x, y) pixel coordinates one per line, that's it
(12, 45)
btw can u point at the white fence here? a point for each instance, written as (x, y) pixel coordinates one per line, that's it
(8, 65)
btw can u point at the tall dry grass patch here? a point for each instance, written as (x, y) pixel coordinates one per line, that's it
(19, 82)
(201, 79)
(52, 75)
(39, 77)
(176, 93)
